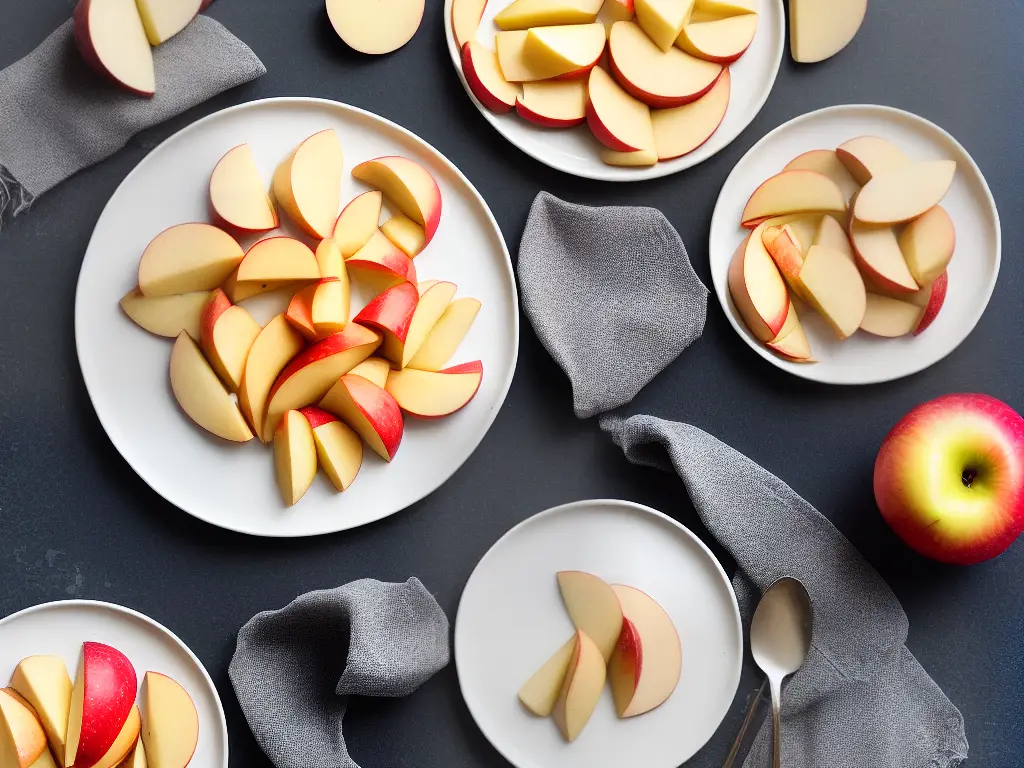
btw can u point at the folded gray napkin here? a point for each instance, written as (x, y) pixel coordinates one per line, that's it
(611, 294)
(861, 698)
(293, 677)
(59, 116)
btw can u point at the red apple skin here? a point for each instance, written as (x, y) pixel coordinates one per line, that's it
(476, 85)
(85, 47)
(317, 417)
(380, 409)
(336, 342)
(216, 305)
(602, 134)
(949, 478)
(220, 221)
(935, 301)
(626, 663)
(548, 122)
(576, 74)
(651, 99)
(110, 688)
(392, 310)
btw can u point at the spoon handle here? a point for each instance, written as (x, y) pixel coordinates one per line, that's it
(776, 687)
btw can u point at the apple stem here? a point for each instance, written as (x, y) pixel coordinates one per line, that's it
(967, 478)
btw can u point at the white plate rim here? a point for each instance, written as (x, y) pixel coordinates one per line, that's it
(56, 605)
(623, 174)
(426, 147)
(633, 507)
(808, 372)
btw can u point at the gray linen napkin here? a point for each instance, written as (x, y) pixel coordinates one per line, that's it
(861, 698)
(58, 116)
(611, 294)
(293, 678)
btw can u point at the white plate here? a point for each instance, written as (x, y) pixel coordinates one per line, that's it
(125, 368)
(511, 619)
(866, 359)
(60, 628)
(575, 150)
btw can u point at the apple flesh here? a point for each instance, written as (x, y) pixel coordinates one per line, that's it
(757, 288)
(720, 40)
(791, 342)
(617, 120)
(867, 156)
(949, 478)
(276, 344)
(904, 193)
(554, 103)
(112, 40)
(357, 222)
(238, 197)
(300, 312)
(465, 19)
(201, 394)
(834, 288)
(373, 369)
(227, 333)
(518, 67)
(307, 184)
(22, 740)
(101, 701)
(136, 757)
(831, 234)
(338, 448)
(927, 243)
(391, 314)
(433, 394)
(405, 233)
(593, 607)
(638, 159)
(187, 257)
(271, 264)
(827, 163)
(44, 682)
(432, 304)
(486, 81)
(382, 27)
(126, 739)
(523, 14)
(581, 689)
(936, 294)
(888, 317)
(663, 20)
(444, 338)
(369, 410)
(163, 19)
(818, 31)
(540, 692)
(166, 315)
(565, 48)
(171, 730)
(880, 258)
(793, 192)
(294, 456)
(786, 250)
(408, 185)
(681, 130)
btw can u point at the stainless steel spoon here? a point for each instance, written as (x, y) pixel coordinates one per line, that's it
(780, 636)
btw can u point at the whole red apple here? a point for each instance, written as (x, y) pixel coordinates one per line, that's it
(949, 478)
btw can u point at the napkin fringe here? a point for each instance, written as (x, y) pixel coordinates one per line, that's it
(14, 197)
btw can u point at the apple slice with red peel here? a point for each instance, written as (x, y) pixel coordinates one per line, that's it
(831, 234)
(308, 183)
(613, 11)
(904, 193)
(517, 67)
(294, 456)
(330, 307)
(554, 103)
(338, 448)
(565, 48)
(368, 409)
(382, 27)
(112, 40)
(617, 120)
(126, 739)
(889, 317)
(639, 159)
(879, 257)
(540, 692)
(187, 257)
(446, 335)
(927, 244)
(465, 19)
(277, 343)
(44, 683)
(658, 78)
(271, 264)
(391, 314)
(719, 40)
(22, 738)
(171, 731)
(408, 185)
(330, 261)
(681, 130)
(786, 250)
(381, 264)
(581, 688)
(826, 161)
(793, 192)
(834, 288)
(136, 757)
(792, 342)
(757, 288)
(227, 333)
(101, 701)
(663, 20)
(486, 81)
(374, 370)
(166, 315)
(818, 30)
(936, 294)
(404, 233)
(357, 222)
(300, 312)
(201, 394)
(433, 394)
(238, 197)
(867, 156)
(163, 19)
(523, 14)
(429, 308)
(593, 607)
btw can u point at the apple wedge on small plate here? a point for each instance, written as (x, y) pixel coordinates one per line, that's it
(864, 358)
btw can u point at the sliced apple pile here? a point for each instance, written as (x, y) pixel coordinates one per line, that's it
(623, 636)
(857, 234)
(627, 67)
(317, 380)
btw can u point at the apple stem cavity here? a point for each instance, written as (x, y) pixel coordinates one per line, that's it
(968, 476)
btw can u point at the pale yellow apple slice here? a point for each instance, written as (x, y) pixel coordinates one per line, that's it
(710, 8)
(22, 738)
(368, 409)
(271, 264)
(681, 130)
(445, 337)
(787, 251)
(429, 309)
(338, 448)
(659, 78)
(792, 342)
(136, 757)
(166, 315)
(227, 333)
(819, 29)
(517, 67)
(834, 288)
(613, 11)
(357, 222)
(171, 723)
(433, 394)
(484, 75)
(757, 288)
(565, 48)
(581, 688)
(826, 162)
(112, 40)
(330, 261)
(405, 233)
(554, 103)
(380, 265)
(44, 682)
(201, 394)
(126, 739)
(927, 243)
(616, 119)
(187, 257)
(408, 185)
(880, 259)
(904, 193)
(374, 370)
(663, 20)
(831, 234)
(721, 40)
(523, 14)
(889, 317)
(277, 343)
(294, 456)
(163, 19)
(330, 306)
(639, 159)
(593, 608)
(308, 183)
(793, 192)
(540, 692)
(379, 27)
(867, 156)
(238, 196)
(465, 19)
(300, 312)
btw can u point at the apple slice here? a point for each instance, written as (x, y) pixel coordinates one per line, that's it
(314, 370)
(405, 233)
(43, 682)
(101, 701)
(226, 336)
(867, 156)
(136, 757)
(818, 30)
(936, 295)
(273, 348)
(648, 658)
(834, 288)
(523, 14)
(720, 40)
(904, 193)
(540, 692)
(617, 120)
(166, 315)
(330, 308)
(617, 10)
(307, 184)
(554, 103)
(294, 456)
(338, 448)
(831, 234)
(465, 19)
(681, 130)
(888, 317)
(171, 730)
(593, 607)
(927, 243)
(486, 81)
(374, 370)
(517, 67)
(187, 257)
(793, 192)
(382, 27)
(433, 394)
(880, 259)
(22, 739)
(357, 222)
(663, 20)
(787, 251)
(271, 264)
(202, 396)
(330, 261)
(565, 48)
(446, 335)
(432, 304)
(826, 162)
(757, 288)
(581, 689)
(163, 19)
(792, 342)
(711, 8)
(638, 159)
(408, 185)
(238, 197)
(370, 410)
(382, 265)
(126, 739)
(112, 40)
(300, 312)
(391, 314)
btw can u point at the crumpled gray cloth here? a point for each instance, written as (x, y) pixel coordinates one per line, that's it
(293, 677)
(611, 294)
(58, 116)
(861, 698)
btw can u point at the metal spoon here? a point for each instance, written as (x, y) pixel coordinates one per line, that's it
(780, 636)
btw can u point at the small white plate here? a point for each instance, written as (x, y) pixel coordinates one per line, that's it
(575, 150)
(866, 359)
(125, 368)
(511, 619)
(60, 628)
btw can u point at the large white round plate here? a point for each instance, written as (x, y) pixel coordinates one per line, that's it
(60, 628)
(511, 619)
(125, 368)
(866, 359)
(575, 150)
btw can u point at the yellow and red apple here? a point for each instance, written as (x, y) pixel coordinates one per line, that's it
(408, 185)
(294, 456)
(238, 197)
(338, 448)
(171, 730)
(44, 682)
(101, 701)
(433, 394)
(370, 410)
(308, 183)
